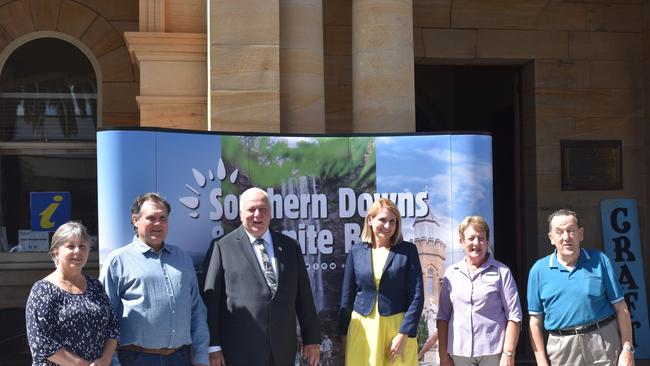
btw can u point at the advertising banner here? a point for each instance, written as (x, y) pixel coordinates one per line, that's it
(320, 188)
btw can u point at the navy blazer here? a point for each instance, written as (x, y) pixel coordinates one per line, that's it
(400, 287)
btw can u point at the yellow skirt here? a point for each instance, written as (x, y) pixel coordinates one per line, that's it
(369, 338)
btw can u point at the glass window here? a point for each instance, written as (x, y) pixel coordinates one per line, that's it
(48, 120)
(48, 92)
(22, 174)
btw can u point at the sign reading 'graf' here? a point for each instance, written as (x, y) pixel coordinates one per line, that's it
(620, 222)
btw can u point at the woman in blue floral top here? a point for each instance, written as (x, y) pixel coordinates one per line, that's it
(70, 320)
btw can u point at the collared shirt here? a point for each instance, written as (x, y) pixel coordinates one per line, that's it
(572, 297)
(268, 245)
(156, 298)
(478, 307)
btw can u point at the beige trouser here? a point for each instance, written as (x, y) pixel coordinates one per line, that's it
(600, 347)
(489, 360)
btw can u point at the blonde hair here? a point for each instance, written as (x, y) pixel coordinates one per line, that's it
(367, 234)
(477, 222)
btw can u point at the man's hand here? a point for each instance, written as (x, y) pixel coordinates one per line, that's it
(536, 331)
(626, 359)
(312, 353)
(624, 322)
(216, 359)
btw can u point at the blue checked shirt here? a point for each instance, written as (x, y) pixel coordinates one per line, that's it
(156, 298)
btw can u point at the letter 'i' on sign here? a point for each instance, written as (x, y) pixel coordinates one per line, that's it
(49, 210)
(622, 244)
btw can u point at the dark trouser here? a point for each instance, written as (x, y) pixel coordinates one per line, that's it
(268, 362)
(182, 357)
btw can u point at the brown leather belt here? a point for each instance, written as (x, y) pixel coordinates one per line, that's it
(155, 351)
(583, 329)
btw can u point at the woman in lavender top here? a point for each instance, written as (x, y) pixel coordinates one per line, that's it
(70, 320)
(479, 314)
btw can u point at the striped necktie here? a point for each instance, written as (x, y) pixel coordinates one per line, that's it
(267, 268)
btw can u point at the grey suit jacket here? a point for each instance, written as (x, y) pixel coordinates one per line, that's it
(249, 324)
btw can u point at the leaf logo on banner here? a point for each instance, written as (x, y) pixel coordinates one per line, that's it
(192, 202)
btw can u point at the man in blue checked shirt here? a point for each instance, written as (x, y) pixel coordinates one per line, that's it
(154, 291)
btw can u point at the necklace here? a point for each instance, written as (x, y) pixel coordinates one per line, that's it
(77, 285)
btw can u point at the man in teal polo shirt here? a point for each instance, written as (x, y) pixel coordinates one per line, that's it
(573, 293)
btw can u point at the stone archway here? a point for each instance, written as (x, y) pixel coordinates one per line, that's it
(96, 31)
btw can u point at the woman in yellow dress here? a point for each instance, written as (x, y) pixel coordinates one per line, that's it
(382, 295)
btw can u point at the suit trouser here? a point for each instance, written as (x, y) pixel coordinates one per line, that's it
(600, 347)
(270, 362)
(273, 363)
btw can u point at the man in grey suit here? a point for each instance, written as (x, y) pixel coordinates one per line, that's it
(256, 285)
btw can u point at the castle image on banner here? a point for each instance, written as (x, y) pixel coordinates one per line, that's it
(432, 258)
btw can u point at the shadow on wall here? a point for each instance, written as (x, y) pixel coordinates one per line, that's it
(14, 350)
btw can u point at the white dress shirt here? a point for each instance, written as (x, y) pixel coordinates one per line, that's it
(268, 245)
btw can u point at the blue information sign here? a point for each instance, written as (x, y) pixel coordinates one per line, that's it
(49, 210)
(622, 243)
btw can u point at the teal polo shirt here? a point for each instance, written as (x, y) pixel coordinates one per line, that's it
(570, 298)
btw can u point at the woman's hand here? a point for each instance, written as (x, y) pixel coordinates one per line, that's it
(507, 360)
(65, 357)
(396, 348)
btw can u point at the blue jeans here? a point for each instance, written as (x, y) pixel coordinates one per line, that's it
(182, 357)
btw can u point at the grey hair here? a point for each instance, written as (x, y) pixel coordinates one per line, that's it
(70, 231)
(563, 212)
(243, 199)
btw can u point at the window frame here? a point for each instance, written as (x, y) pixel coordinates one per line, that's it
(42, 260)
(9, 50)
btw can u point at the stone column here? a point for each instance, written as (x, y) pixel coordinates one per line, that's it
(383, 87)
(244, 65)
(172, 59)
(302, 99)
(152, 15)
(173, 85)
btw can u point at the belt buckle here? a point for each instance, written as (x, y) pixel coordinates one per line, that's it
(168, 351)
(581, 329)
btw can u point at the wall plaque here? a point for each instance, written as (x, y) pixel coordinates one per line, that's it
(591, 165)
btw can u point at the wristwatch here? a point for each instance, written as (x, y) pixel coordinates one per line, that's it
(508, 354)
(630, 349)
